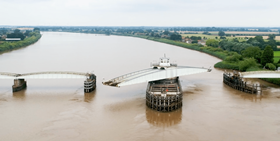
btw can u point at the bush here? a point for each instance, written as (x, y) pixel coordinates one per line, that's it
(224, 65)
(270, 66)
(212, 42)
(194, 41)
(247, 63)
(233, 58)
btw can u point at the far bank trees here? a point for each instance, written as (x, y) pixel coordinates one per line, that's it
(212, 43)
(267, 56)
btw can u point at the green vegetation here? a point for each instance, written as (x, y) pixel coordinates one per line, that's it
(247, 63)
(234, 45)
(252, 52)
(33, 37)
(212, 43)
(227, 65)
(267, 56)
(270, 66)
(276, 56)
(221, 33)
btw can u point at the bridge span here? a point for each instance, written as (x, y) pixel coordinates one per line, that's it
(260, 74)
(20, 83)
(153, 74)
(45, 75)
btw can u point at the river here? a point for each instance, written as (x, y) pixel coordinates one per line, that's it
(59, 110)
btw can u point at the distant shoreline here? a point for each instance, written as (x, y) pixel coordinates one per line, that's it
(10, 46)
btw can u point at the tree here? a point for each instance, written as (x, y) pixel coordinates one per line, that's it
(267, 56)
(36, 29)
(205, 32)
(16, 31)
(175, 37)
(270, 66)
(166, 32)
(221, 33)
(247, 63)
(259, 39)
(194, 41)
(212, 42)
(252, 52)
(271, 37)
(27, 32)
(195, 37)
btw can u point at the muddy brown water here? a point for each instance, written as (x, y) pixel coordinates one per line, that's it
(59, 109)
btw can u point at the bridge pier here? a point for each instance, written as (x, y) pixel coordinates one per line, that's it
(90, 83)
(19, 84)
(164, 95)
(236, 82)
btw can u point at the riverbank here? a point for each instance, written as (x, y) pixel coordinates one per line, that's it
(9, 46)
(216, 52)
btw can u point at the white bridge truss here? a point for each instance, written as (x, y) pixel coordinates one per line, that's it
(260, 74)
(153, 74)
(45, 75)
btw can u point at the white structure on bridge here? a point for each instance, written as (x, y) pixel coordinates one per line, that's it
(162, 70)
(45, 75)
(260, 74)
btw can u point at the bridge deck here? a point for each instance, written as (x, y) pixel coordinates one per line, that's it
(152, 75)
(260, 74)
(45, 75)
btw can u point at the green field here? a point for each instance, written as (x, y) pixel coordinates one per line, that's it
(201, 35)
(213, 37)
(276, 56)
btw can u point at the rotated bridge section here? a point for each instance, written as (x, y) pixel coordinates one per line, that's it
(153, 74)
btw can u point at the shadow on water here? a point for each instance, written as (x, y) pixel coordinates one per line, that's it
(20, 95)
(88, 97)
(163, 119)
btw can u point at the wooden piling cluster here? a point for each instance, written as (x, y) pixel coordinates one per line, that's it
(164, 95)
(90, 83)
(237, 83)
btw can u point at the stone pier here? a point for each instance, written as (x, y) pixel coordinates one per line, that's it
(90, 83)
(19, 84)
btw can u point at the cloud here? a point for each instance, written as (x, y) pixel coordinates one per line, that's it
(140, 12)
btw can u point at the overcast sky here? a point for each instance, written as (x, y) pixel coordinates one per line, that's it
(264, 13)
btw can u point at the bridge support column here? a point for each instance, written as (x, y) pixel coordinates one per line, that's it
(19, 84)
(90, 83)
(164, 95)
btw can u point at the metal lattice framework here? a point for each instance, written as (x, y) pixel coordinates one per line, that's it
(45, 75)
(260, 74)
(153, 74)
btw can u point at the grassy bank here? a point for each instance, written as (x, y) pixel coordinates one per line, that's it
(276, 56)
(8, 46)
(216, 52)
